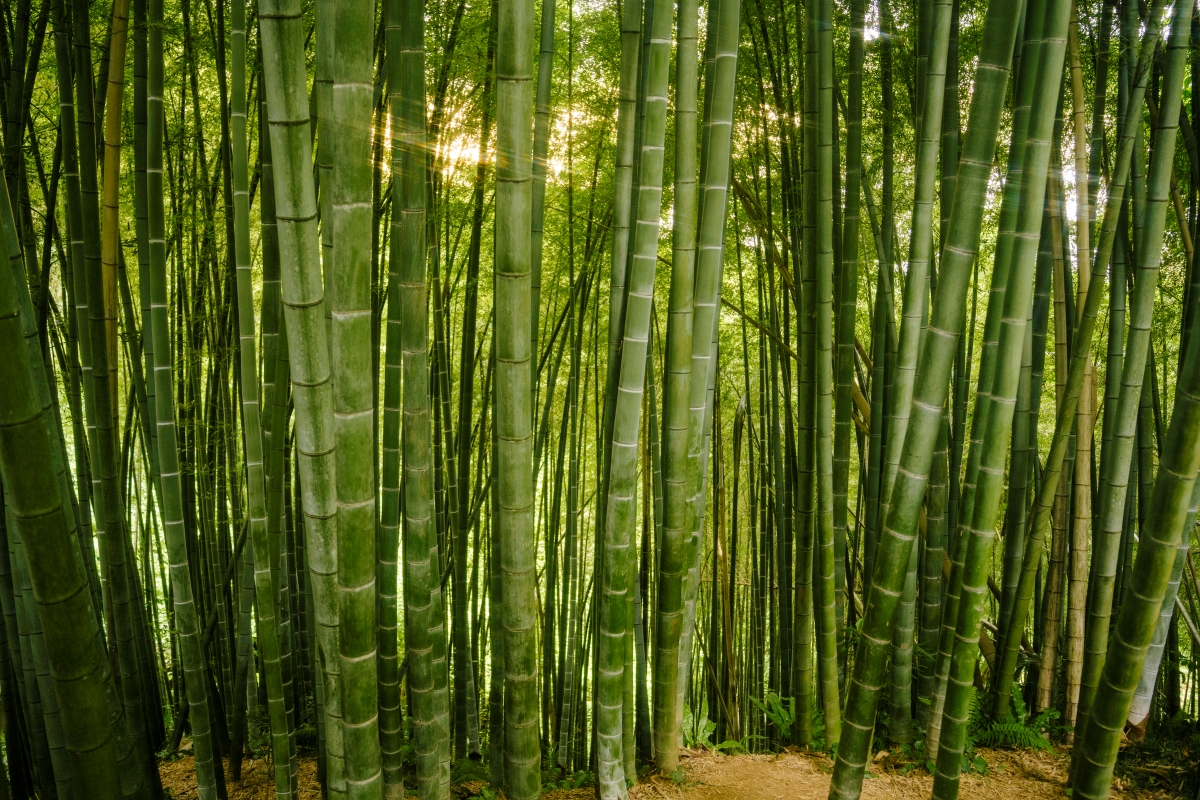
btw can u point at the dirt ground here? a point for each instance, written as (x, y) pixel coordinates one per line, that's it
(1012, 775)
(257, 783)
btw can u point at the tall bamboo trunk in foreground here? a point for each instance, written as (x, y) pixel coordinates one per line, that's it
(712, 214)
(1135, 366)
(617, 564)
(33, 499)
(286, 87)
(512, 346)
(915, 315)
(186, 622)
(354, 382)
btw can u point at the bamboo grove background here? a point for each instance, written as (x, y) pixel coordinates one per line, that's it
(548, 385)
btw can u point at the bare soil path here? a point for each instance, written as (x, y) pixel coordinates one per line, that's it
(1012, 775)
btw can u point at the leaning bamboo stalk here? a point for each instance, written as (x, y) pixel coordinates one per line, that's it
(712, 212)
(1170, 518)
(73, 641)
(945, 327)
(1119, 451)
(616, 565)
(1018, 297)
(1080, 355)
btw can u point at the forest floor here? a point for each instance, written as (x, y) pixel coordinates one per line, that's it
(1010, 775)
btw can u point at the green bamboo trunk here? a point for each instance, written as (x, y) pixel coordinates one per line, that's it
(408, 328)
(303, 294)
(1080, 351)
(1169, 519)
(514, 397)
(673, 554)
(541, 146)
(847, 289)
(617, 562)
(390, 714)
(186, 622)
(349, 128)
(33, 499)
(93, 287)
(824, 596)
(978, 536)
(76, 333)
(712, 214)
(1025, 73)
(54, 771)
(945, 326)
(930, 592)
(1118, 454)
(252, 438)
(920, 253)
(912, 326)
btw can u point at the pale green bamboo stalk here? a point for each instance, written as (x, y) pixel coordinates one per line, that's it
(349, 132)
(920, 249)
(615, 548)
(915, 313)
(674, 557)
(512, 345)
(712, 215)
(941, 344)
(186, 622)
(1025, 72)
(1010, 345)
(424, 614)
(286, 88)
